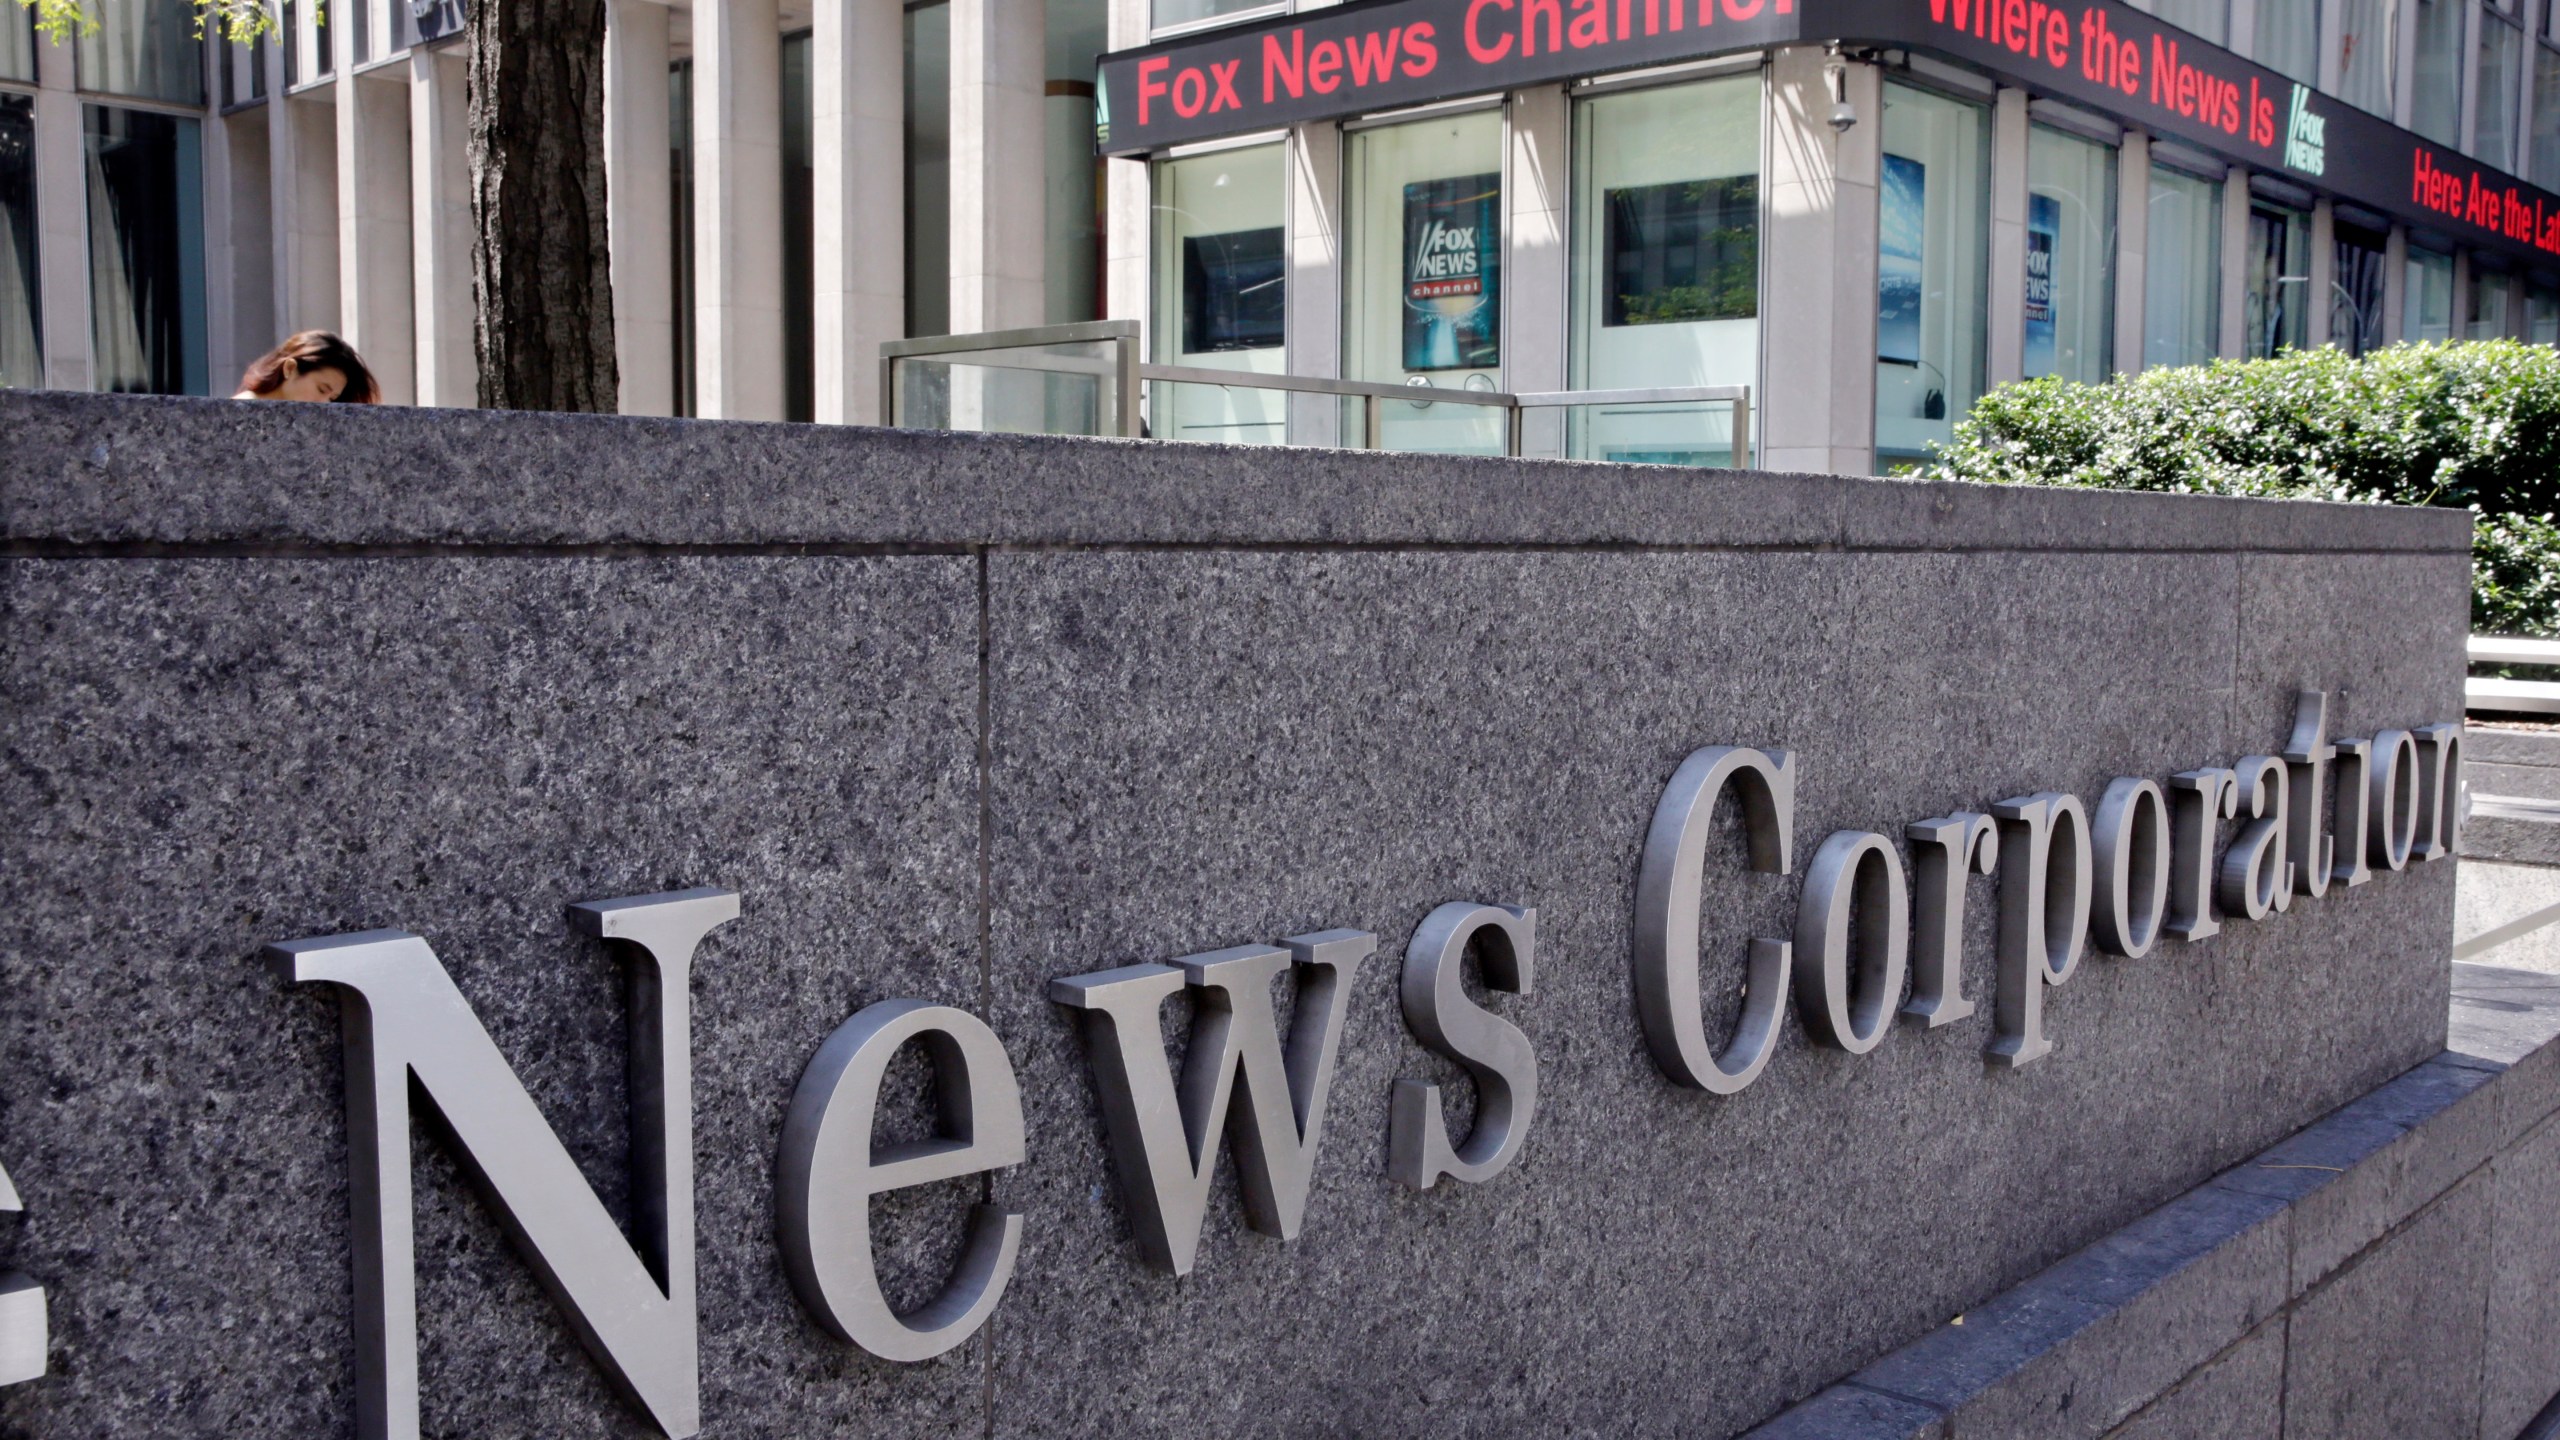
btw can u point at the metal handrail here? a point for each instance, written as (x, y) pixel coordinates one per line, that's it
(2513, 650)
(2532, 697)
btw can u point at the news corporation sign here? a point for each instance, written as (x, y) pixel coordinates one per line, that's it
(1877, 938)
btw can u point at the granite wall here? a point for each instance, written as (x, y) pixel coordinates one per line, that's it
(958, 715)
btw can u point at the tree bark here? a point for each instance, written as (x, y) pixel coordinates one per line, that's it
(542, 281)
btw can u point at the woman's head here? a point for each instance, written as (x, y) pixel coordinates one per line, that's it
(314, 365)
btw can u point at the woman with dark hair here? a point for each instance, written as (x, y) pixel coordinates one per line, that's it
(314, 365)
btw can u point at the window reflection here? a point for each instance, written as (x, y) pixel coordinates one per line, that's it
(146, 49)
(2182, 270)
(146, 252)
(21, 318)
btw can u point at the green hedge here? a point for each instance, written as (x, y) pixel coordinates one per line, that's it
(2474, 425)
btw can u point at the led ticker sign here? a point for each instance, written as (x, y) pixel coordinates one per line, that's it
(1381, 54)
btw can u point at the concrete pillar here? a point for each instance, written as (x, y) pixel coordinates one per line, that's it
(2006, 343)
(2470, 53)
(221, 292)
(2244, 27)
(250, 244)
(640, 204)
(375, 308)
(1313, 327)
(2320, 291)
(440, 204)
(1128, 220)
(998, 191)
(2395, 285)
(2404, 68)
(2235, 263)
(1536, 301)
(858, 100)
(310, 276)
(62, 225)
(2133, 247)
(1816, 403)
(2460, 321)
(737, 209)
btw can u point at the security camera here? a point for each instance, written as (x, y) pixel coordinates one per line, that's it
(1843, 115)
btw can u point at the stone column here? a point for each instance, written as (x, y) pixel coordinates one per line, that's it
(1536, 281)
(2133, 248)
(2395, 285)
(998, 193)
(62, 227)
(2321, 288)
(737, 209)
(375, 309)
(223, 363)
(2006, 341)
(2235, 262)
(639, 196)
(1815, 406)
(1128, 220)
(448, 370)
(1313, 327)
(249, 265)
(2470, 53)
(857, 54)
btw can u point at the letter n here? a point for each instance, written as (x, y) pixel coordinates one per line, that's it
(404, 1020)
(1166, 1147)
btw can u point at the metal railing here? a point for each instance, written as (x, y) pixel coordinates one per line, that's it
(1088, 379)
(2539, 697)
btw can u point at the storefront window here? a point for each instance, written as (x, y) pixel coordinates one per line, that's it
(147, 49)
(1072, 265)
(1221, 268)
(929, 170)
(1168, 14)
(2289, 38)
(146, 252)
(2546, 117)
(1422, 275)
(2485, 308)
(2368, 44)
(2355, 302)
(18, 44)
(21, 315)
(1934, 229)
(2182, 270)
(2279, 300)
(2206, 19)
(2436, 84)
(2493, 137)
(2430, 297)
(1666, 265)
(2542, 316)
(2071, 256)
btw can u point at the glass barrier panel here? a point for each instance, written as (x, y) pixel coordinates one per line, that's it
(1216, 414)
(1687, 432)
(1433, 427)
(1066, 389)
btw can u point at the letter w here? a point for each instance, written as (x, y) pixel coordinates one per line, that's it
(1373, 56)
(1166, 1148)
(403, 1019)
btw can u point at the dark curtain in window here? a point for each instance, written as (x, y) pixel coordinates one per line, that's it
(146, 252)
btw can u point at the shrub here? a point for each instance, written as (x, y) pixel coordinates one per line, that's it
(2473, 425)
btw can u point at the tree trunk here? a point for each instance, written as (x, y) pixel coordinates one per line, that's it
(542, 280)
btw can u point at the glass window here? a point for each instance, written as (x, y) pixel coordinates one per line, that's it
(18, 44)
(146, 252)
(1935, 224)
(2207, 19)
(2071, 256)
(2493, 136)
(799, 235)
(2485, 308)
(2355, 299)
(1666, 265)
(2542, 316)
(1168, 13)
(2546, 116)
(929, 170)
(1422, 274)
(2279, 300)
(2289, 38)
(2435, 109)
(2368, 50)
(147, 49)
(2182, 270)
(1221, 286)
(680, 226)
(21, 312)
(2429, 306)
(1073, 265)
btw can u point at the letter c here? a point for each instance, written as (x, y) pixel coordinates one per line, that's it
(1477, 50)
(1666, 932)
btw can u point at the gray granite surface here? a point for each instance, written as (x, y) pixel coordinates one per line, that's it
(958, 715)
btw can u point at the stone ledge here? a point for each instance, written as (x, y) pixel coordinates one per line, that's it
(2514, 829)
(113, 470)
(2093, 1345)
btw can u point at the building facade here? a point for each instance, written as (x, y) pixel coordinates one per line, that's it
(1869, 211)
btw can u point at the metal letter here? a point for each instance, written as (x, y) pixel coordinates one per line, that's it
(24, 1338)
(1859, 865)
(2354, 800)
(1167, 1149)
(1667, 895)
(1495, 1052)
(829, 1170)
(2199, 801)
(2392, 786)
(2255, 876)
(2306, 759)
(2439, 790)
(2132, 844)
(404, 1020)
(2044, 912)
(1946, 853)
